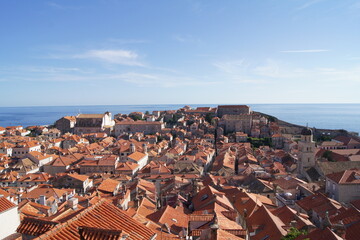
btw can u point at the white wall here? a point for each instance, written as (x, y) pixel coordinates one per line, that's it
(10, 220)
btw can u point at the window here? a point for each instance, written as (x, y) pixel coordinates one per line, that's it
(203, 197)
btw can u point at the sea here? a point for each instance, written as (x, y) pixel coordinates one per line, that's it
(322, 116)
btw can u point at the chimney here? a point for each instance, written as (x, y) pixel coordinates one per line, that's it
(158, 194)
(42, 200)
(73, 202)
(327, 222)
(293, 223)
(214, 228)
(144, 145)
(238, 217)
(132, 148)
(18, 195)
(136, 202)
(124, 236)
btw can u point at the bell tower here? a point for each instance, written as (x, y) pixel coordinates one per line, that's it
(306, 157)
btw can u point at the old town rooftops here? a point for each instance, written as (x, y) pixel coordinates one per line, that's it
(100, 216)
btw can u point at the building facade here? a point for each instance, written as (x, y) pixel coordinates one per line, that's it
(93, 123)
(137, 126)
(232, 110)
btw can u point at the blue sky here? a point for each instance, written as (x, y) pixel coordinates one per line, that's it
(179, 52)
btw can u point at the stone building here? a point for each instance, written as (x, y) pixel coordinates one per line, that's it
(344, 186)
(101, 164)
(237, 123)
(122, 127)
(66, 124)
(232, 110)
(93, 123)
(81, 183)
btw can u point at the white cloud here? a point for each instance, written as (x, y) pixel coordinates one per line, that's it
(239, 71)
(126, 41)
(308, 4)
(186, 38)
(306, 51)
(114, 56)
(165, 81)
(272, 71)
(231, 66)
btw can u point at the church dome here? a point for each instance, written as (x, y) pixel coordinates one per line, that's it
(306, 131)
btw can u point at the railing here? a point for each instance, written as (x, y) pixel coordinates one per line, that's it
(285, 201)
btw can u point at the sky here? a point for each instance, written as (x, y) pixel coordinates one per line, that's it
(114, 52)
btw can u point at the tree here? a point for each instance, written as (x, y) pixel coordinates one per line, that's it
(135, 117)
(209, 117)
(327, 155)
(293, 233)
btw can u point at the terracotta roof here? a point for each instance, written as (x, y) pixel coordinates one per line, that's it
(353, 231)
(137, 123)
(35, 227)
(46, 191)
(287, 215)
(346, 140)
(5, 204)
(79, 177)
(267, 224)
(356, 204)
(174, 218)
(99, 233)
(62, 161)
(108, 185)
(227, 235)
(233, 106)
(127, 166)
(146, 207)
(71, 118)
(316, 202)
(137, 156)
(347, 216)
(103, 215)
(90, 116)
(201, 218)
(35, 177)
(320, 234)
(351, 176)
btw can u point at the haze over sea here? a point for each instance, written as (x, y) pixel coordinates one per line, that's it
(325, 116)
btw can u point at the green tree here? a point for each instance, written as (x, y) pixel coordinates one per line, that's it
(293, 233)
(327, 155)
(209, 117)
(135, 117)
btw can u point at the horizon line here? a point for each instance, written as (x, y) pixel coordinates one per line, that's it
(164, 104)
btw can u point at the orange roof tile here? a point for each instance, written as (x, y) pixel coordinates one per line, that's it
(5, 204)
(108, 185)
(35, 227)
(102, 215)
(137, 156)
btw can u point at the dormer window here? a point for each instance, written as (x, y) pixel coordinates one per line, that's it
(203, 197)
